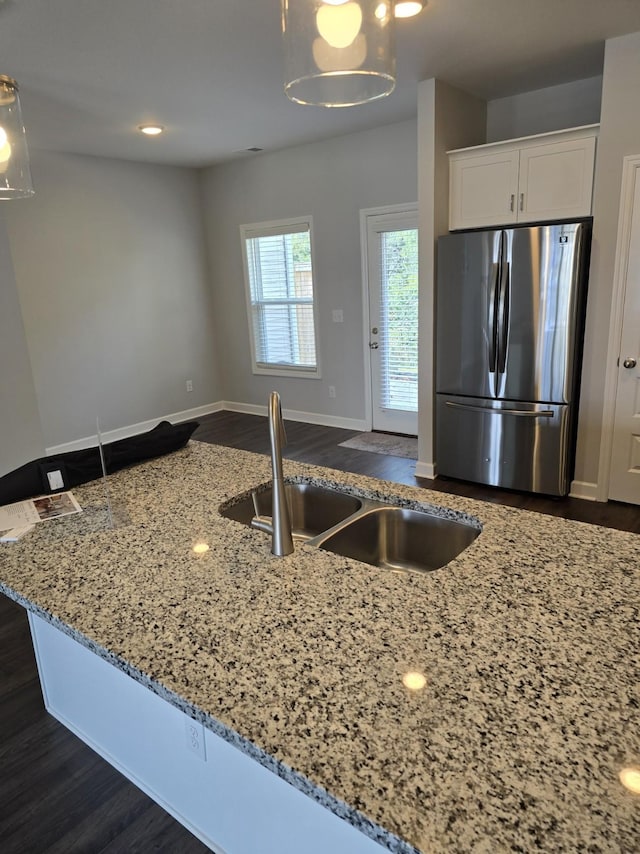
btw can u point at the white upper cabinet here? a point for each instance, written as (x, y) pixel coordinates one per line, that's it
(534, 179)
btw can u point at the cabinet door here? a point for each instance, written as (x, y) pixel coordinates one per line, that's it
(483, 189)
(556, 180)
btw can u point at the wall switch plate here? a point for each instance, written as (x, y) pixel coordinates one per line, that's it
(338, 316)
(332, 391)
(189, 385)
(194, 733)
(55, 479)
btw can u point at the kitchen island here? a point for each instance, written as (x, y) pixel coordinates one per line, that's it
(528, 643)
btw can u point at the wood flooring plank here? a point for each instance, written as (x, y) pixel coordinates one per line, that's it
(149, 833)
(53, 748)
(62, 802)
(105, 823)
(20, 708)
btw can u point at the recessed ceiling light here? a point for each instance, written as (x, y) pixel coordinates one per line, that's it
(151, 130)
(408, 8)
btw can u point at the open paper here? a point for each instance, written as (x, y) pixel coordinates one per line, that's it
(37, 510)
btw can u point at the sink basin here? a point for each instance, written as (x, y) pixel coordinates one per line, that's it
(313, 509)
(401, 539)
(371, 531)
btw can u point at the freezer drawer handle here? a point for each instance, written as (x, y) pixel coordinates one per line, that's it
(524, 413)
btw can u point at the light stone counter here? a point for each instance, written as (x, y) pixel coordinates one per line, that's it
(528, 641)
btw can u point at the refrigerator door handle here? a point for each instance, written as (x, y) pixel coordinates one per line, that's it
(493, 309)
(503, 316)
(524, 413)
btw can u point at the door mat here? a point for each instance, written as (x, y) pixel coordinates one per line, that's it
(384, 443)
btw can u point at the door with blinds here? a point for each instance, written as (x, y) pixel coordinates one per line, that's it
(392, 283)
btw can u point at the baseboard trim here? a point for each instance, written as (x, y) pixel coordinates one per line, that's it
(245, 408)
(583, 489)
(134, 429)
(188, 414)
(358, 424)
(427, 470)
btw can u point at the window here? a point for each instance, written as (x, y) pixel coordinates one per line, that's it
(280, 297)
(399, 319)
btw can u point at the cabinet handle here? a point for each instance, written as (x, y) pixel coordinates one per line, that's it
(521, 201)
(513, 198)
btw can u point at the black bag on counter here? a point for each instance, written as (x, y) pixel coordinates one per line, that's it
(63, 471)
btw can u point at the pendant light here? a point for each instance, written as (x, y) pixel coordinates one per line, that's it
(408, 8)
(338, 53)
(15, 174)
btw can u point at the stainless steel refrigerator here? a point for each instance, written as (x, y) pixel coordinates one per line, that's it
(510, 307)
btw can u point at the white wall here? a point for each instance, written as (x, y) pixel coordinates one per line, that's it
(553, 108)
(619, 136)
(21, 437)
(111, 272)
(122, 303)
(331, 180)
(447, 118)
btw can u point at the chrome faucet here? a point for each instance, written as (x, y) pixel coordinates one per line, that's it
(280, 527)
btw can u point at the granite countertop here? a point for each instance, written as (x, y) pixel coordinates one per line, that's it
(528, 642)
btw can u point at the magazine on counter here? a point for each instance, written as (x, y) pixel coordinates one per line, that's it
(40, 509)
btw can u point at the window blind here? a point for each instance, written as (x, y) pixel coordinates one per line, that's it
(281, 295)
(398, 334)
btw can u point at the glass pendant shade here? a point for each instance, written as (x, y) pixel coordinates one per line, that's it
(15, 174)
(408, 8)
(338, 53)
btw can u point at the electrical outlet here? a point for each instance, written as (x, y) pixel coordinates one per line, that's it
(194, 733)
(338, 316)
(189, 385)
(332, 391)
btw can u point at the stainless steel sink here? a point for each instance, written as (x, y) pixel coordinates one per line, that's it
(313, 509)
(401, 539)
(374, 532)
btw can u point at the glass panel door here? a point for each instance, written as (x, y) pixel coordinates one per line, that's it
(393, 317)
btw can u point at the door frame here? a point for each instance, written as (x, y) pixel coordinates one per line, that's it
(365, 213)
(630, 175)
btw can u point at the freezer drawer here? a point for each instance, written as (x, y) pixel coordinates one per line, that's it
(504, 443)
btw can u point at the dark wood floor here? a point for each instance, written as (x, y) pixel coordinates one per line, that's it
(56, 794)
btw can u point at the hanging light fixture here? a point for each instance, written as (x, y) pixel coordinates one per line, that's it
(408, 8)
(338, 53)
(15, 174)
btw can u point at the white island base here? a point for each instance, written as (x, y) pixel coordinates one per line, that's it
(228, 800)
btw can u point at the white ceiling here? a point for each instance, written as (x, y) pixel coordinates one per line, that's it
(90, 71)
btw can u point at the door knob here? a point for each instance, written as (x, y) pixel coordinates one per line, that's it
(629, 362)
(374, 345)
